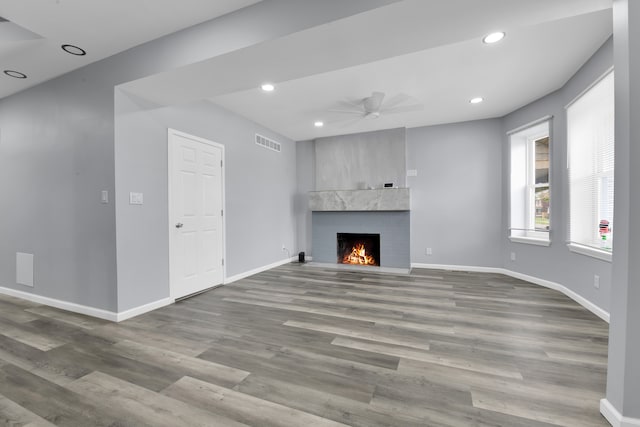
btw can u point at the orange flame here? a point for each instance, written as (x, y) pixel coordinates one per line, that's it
(358, 255)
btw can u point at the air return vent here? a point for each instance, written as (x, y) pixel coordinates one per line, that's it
(265, 142)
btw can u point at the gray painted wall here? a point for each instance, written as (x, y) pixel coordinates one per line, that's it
(393, 228)
(260, 191)
(56, 156)
(57, 151)
(456, 199)
(361, 160)
(555, 263)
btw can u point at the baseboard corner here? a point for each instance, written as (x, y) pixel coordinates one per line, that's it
(604, 315)
(615, 418)
(142, 309)
(60, 304)
(240, 276)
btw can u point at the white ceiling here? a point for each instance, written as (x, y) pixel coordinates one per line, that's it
(427, 49)
(532, 61)
(30, 42)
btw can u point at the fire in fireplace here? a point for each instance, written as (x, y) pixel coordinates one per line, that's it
(358, 249)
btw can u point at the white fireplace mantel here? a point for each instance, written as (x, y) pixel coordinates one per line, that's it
(383, 199)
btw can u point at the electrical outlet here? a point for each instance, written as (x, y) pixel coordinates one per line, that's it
(513, 256)
(428, 251)
(596, 281)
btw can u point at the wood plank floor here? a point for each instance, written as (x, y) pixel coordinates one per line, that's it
(305, 346)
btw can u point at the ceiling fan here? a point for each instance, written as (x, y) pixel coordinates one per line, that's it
(372, 107)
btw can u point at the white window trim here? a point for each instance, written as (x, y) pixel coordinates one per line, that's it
(531, 240)
(530, 217)
(591, 252)
(532, 236)
(530, 124)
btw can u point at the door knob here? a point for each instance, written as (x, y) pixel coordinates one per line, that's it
(179, 225)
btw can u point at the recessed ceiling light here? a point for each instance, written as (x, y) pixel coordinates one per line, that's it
(15, 74)
(73, 50)
(318, 124)
(476, 100)
(493, 37)
(268, 87)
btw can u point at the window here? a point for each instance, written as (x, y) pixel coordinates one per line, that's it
(590, 139)
(530, 189)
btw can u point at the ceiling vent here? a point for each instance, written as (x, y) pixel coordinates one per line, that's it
(265, 142)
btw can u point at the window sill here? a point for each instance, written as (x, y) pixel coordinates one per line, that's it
(530, 241)
(589, 251)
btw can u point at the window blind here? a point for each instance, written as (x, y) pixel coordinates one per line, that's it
(590, 138)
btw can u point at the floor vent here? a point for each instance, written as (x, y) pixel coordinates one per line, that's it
(265, 142)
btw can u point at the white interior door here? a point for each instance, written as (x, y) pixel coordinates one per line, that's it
(195, 214)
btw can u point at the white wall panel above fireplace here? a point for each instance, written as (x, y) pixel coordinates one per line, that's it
(387, 199)
(360, 161)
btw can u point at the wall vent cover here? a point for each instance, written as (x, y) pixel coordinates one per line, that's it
(265, 142)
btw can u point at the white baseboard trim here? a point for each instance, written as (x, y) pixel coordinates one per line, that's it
(137, 311)
(64, 305)
(86, 310)
(127, 314)
(240, 276)
(614, 417)
(362, 268)
(568, 292)
(470, 268)
(604, 315)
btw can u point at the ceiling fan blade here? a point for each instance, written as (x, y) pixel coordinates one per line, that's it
(407, 109)
(396, 100)
(348, 104)
(358, 113)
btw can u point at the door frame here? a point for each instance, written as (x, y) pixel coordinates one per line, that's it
(173, 132)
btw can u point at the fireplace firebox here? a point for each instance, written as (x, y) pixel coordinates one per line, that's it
(358, 249)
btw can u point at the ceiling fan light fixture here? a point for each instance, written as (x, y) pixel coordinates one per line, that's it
(268, 87)
(493, 37)
(73, 50)
(476, 100)
(15, 74)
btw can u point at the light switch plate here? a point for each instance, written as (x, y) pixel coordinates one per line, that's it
(104, 197)
(412, 172)
(136, 198)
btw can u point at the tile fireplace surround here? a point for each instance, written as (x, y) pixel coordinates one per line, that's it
(381, 211)
(384, 199)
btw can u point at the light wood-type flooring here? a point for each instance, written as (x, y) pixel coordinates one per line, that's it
(306, 346)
